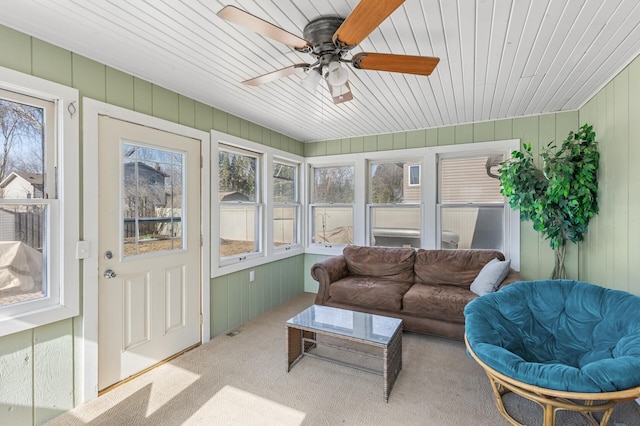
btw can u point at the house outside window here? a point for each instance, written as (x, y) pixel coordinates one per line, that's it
(286, 205)
(394, 204)
(38, 202)
(153, 200)
(331, 207)
(239, 196)
(471, 208)
(454, 201)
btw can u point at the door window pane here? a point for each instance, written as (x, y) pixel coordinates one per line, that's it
(153, 198)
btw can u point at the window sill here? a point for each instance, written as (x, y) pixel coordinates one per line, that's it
(252, 262)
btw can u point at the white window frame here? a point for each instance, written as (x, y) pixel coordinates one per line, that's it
(471, 153)
(429, 234)
(63, 212)
(371, 206)
(295, 205)
(325, 248)
(256, 205)
(419, 166)
(269, 253)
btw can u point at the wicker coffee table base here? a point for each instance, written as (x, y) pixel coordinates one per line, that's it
(301, 340)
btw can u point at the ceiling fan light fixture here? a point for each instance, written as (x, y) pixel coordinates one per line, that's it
(337, 75)
(311, 80)
(338, 91)
(340, 94)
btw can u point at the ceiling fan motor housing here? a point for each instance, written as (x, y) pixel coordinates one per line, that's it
(319, 33)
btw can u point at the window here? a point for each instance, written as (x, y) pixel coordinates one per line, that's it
(286, 205)
(433, 197)
(258, 215)
(394, 204)
(38, 202)
(239, 196)
(413, 176)
(332, 198)
(153, 200)
(472, 210)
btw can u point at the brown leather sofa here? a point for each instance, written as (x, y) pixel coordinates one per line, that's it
(427, 289)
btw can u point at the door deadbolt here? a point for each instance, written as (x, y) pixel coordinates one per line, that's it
(108, 255)
(108, 274)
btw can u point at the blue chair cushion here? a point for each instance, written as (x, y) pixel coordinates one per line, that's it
(559, 334)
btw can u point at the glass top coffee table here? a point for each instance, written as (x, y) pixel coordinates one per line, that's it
(365, 334)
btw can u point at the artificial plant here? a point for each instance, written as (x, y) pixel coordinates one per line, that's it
(560, 198)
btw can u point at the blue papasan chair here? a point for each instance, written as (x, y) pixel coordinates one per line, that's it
(566, 345)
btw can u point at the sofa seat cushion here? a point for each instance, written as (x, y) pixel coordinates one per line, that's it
(369, 292)
(436, 301)
(451, 267)
(383, 263)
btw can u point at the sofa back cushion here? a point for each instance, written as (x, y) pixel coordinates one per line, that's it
(387, 263)
(451, 267)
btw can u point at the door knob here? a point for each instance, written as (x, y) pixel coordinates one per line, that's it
(108, 274)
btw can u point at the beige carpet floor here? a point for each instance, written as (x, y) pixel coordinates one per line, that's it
(242, 380)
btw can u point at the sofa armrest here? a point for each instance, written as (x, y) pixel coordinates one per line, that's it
(513, 277)
(326, 272)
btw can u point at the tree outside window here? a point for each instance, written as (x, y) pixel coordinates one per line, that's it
(332, 205)
(22, 225)
(394, 204)
(240, 210)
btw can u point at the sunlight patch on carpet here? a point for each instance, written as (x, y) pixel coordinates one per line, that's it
(233, 406)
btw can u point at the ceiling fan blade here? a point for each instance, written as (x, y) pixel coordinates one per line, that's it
(267, 29)
(365, 18)
(274, 75)
(419, 65)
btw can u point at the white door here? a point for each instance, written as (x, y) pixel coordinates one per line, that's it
(149, 247)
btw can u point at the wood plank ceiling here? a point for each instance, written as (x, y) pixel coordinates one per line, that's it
(499, 58)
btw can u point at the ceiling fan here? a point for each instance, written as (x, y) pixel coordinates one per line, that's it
(328, 39)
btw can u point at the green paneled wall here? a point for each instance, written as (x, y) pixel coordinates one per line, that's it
(611, 254)
(311, 285)
(235, 300)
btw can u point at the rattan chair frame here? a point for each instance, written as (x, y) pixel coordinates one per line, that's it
(552, 400)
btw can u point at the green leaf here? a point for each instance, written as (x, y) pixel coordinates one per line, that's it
(562, 198)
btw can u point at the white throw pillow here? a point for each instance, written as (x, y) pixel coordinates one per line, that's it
(490, 277)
